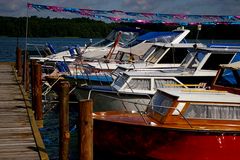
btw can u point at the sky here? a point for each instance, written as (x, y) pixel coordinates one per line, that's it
(17, 8)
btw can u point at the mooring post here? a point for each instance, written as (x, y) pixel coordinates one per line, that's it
(27, 74)
(19, 61)
(38, 95)
(33, 63)
(85, 130)
(64, 134)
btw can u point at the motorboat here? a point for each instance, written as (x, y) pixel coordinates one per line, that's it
(162, 53)
(179, 124)
(196, 71)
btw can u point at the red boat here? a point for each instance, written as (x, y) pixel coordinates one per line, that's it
(180, 124)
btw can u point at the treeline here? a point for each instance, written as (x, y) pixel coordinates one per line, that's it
(56, 27)
(87, 28)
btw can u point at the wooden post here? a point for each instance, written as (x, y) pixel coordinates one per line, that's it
(19, 61)
(85, 130)
(64, 134)
(27, 74)
(33, 63)
(38, 95)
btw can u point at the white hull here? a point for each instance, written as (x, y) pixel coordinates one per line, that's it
(111, 101)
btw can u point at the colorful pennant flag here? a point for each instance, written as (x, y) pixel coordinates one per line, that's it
(136, 17)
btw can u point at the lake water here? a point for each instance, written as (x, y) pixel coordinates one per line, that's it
(50, 132)
(8, 45)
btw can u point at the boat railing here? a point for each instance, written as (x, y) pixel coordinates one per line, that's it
(84, 70)
(108, 68)
(137, 105)
(41, 49)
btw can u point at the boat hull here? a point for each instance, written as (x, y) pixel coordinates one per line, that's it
(107, 99)
(153, 142)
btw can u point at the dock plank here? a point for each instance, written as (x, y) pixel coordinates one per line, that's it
(17, 140)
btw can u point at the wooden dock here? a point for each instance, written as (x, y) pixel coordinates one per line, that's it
(19, 135)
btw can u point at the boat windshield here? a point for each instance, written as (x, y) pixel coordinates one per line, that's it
(156, 54)
(193, 59)
(229, 78)
(149, 51)
(121, 80)
(118, 70)
(127, 37)
(161, 103)
(124, 39)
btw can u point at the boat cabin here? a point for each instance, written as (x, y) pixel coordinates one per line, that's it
(160, 55)
(198, 67)
(196, 108)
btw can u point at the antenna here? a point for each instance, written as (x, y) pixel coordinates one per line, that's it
(199, 28)
(25, 53)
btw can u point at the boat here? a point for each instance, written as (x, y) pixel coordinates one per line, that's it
(119, 36)
(196, 71)
(82, 69)
(162, 53)
(179, 124)
(138, 49)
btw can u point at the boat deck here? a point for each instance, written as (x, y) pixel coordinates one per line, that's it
(19, 136)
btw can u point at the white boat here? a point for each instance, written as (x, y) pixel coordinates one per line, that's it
(197, 70)
(163, 53)
(140, 49)
(123, 35)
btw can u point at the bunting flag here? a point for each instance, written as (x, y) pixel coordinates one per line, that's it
(136, 17)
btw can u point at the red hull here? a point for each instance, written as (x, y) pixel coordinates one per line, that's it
(165, 144)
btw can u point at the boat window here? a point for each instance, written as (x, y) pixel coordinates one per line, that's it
(174, 55)
(215, 59)
(156, 54)
(139, 84)
(161, 103)
(197, 59)
(149, 51)
(121, 79)
(187, 59)
(118, 70)
(166, 83)
(229, 78)
(127, 37)
(119, 55)
(213, 111)
(126, 57)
